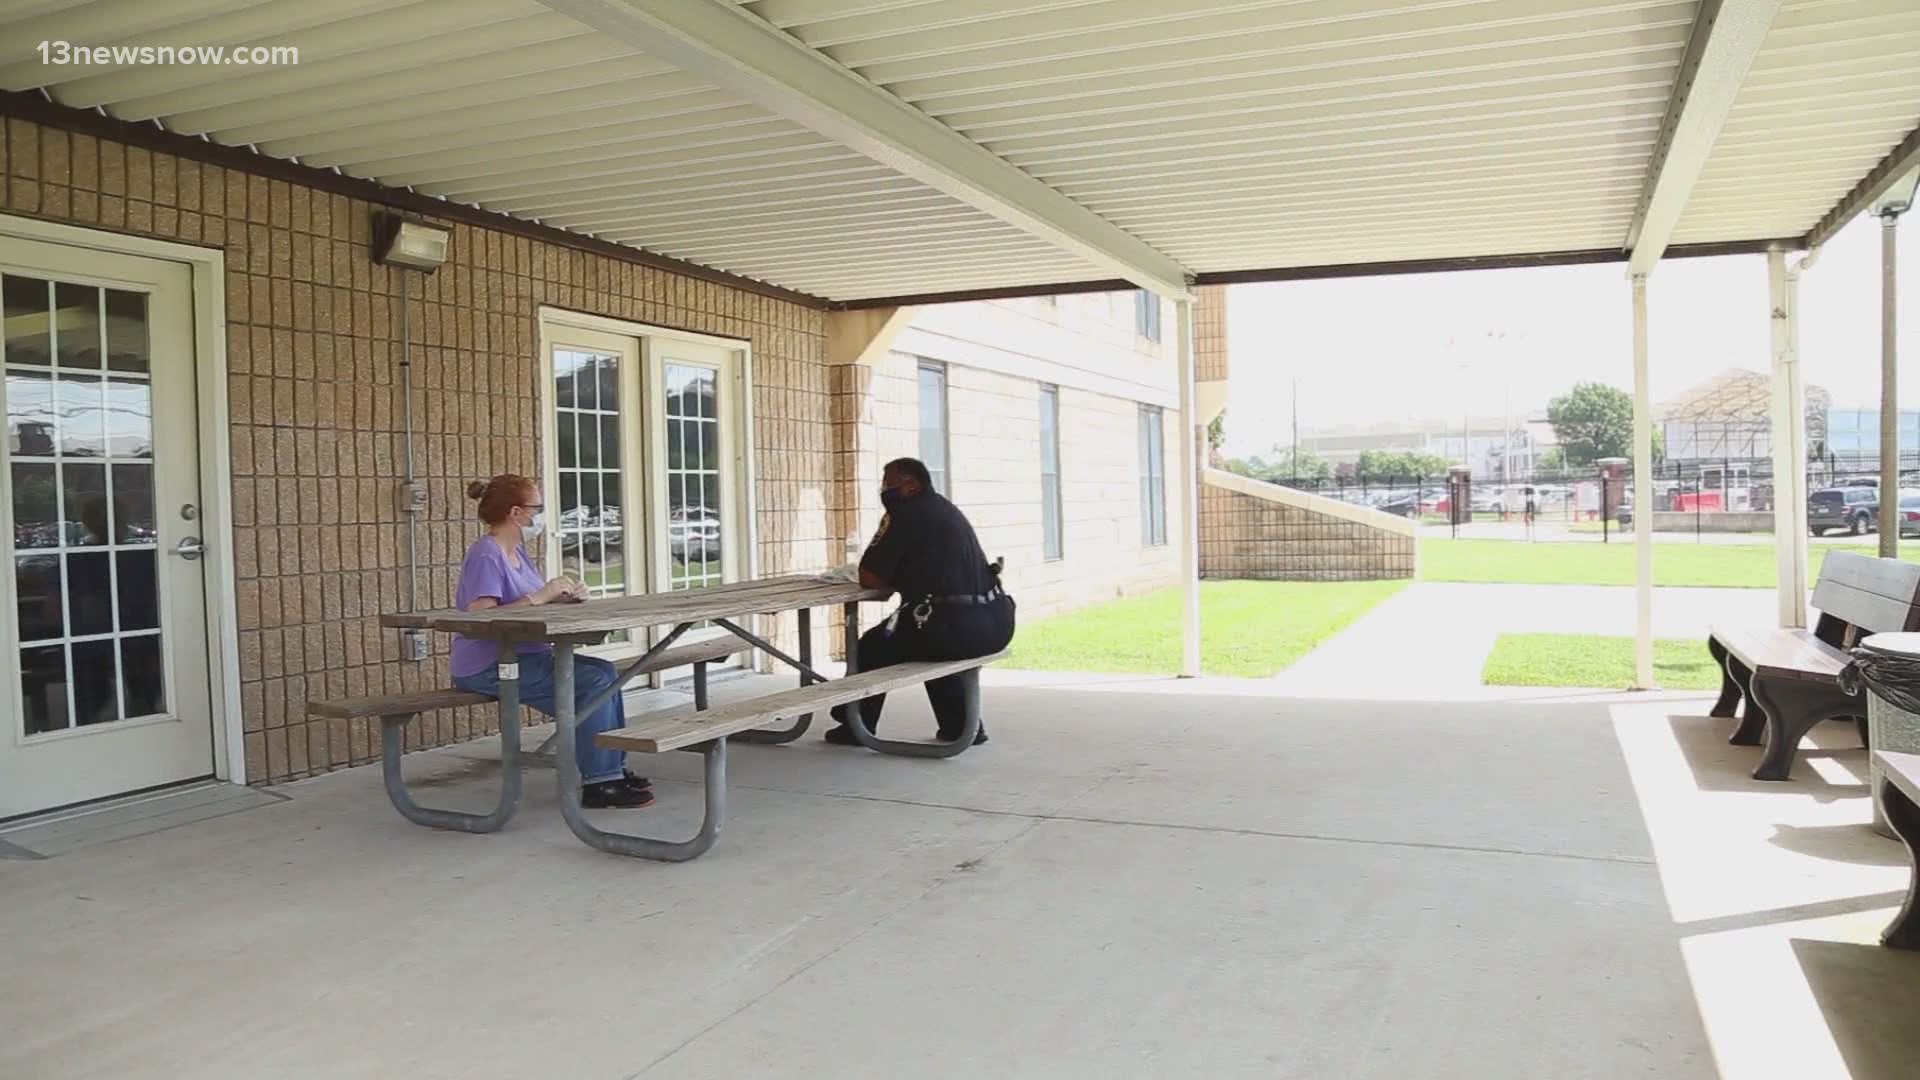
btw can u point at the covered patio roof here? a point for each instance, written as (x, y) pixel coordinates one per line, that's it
(858, 151)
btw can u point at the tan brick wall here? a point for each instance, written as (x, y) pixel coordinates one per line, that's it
(312, 353)
(1243, 536)
(1210, 333)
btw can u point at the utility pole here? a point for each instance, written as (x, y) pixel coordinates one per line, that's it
(1296, 430)
(1896, 201)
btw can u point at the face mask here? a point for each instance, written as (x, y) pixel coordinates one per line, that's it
(532, 529)
(891, 497)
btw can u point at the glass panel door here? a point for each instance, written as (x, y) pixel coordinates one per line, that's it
(104, 649)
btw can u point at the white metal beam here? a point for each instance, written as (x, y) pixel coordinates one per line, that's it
(1789, 408)
(1727, 35)
(1189, 432)
(1642, 494)
(736, 50)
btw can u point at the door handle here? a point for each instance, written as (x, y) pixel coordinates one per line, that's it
(190, 548)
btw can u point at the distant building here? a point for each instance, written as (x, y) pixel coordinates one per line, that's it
(1481, 443)
(1729, 418)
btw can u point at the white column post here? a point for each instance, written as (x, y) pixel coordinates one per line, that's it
(1789, 415)
(1889, 394)
(1642, 494)
(1190, 434)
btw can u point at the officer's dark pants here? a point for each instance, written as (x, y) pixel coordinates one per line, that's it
(954, 632)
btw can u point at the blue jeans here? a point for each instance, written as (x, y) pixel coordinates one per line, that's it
(590, 676)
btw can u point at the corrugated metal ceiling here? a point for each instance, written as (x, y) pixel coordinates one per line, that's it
(1230, 134)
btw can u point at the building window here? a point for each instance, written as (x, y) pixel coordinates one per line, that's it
(1050, 516)
(1153, 478)
(933, 423)
(1146, 314)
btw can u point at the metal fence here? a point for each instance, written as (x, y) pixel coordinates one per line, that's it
(1726, 497)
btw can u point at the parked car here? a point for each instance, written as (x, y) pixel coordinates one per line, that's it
(1909, 513)
(1624, 515)
(1855, 509)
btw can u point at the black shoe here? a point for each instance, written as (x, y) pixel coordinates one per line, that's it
(979, 738)
(637, 782)
(842, 735)
(614, 795)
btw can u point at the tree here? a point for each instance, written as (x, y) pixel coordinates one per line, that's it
(1282, 468)
(1401, 465)
(1217, 431)
(1552, 459)
(1592, 421)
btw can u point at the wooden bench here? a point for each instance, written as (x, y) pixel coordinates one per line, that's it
(1790, 679)
(396, 711)
(707, 731)
(1900, 800)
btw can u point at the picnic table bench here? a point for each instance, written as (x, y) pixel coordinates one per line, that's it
(1900, 798)
(694, 727)
(1790, 678)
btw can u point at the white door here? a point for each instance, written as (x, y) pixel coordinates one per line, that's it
(103, 650)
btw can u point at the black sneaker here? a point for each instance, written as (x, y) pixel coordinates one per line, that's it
(614, 795)
(628, 778)
(979, 738)
(842, 735)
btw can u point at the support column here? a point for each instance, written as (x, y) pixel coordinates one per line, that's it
(1642, 495)
(1191, 433)
(1789, 415)
(1889, 394)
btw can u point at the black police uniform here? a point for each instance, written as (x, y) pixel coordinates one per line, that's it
(927, 551)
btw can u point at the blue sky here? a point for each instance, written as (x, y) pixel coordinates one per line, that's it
(1433, 346)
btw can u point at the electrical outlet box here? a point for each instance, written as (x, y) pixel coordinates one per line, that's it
(415, 646)
(413, 497)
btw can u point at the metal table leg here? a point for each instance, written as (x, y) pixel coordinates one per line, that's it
(566, 725)
(858, 725)
(776, 736)
(391, 728)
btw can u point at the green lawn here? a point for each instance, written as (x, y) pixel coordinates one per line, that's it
(1595, 660)
(1748, 566)
(1247, 628)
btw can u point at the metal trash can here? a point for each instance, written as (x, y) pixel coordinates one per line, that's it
(1889, 727)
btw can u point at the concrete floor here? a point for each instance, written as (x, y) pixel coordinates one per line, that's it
(1205, 883)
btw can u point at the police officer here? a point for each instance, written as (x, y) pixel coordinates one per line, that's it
(951, 604)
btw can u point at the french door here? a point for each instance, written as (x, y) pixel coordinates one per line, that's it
(103, 641)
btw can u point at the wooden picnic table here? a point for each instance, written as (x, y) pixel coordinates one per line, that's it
(567, 626)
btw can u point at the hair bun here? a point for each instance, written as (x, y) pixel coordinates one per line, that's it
(476, 489)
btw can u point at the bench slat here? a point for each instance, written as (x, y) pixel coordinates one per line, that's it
(671, 729)
(1783, 654)
(1902, 769)
(1873, 594)
(421, 701)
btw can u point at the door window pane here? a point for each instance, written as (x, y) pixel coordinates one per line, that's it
(76, 325)
(81, 461)
(127, 331)
(44, 689)
(28, 320)
(694, 521)
(585, 507)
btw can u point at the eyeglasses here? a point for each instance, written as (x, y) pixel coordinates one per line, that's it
(535, 508)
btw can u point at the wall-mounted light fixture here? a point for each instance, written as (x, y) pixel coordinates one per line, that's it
(412, 244)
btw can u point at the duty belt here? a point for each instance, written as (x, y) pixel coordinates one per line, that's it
(984, 598)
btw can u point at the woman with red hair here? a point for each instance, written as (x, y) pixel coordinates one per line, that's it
(498, 572)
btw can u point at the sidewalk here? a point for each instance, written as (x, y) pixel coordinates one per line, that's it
(1430, 640)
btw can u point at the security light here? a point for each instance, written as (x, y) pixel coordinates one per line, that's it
(1898, 199)
(413, 244)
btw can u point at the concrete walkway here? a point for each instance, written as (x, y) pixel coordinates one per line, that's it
(1121, 884)
(1430, 640)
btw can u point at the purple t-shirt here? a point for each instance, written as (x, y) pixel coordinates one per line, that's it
(487, 572)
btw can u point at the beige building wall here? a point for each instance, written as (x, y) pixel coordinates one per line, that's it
(997, 355)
